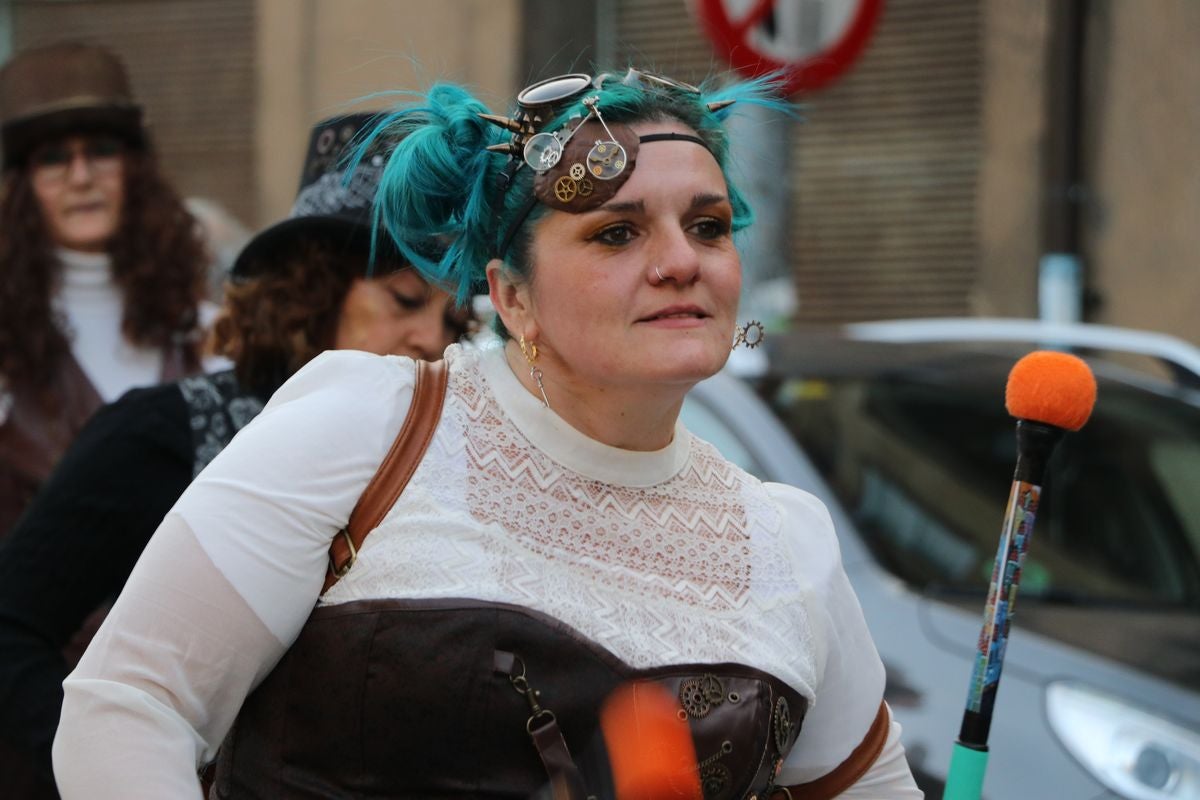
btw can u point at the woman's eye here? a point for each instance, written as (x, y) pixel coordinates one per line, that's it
(615, 235)
(711, 228)
(408, 303)
(51, 157)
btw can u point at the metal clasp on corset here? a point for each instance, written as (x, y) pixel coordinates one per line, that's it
(542, 726)
(521, 684)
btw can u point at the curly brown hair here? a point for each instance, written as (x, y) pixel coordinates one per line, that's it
(275, 323)
(158, 260)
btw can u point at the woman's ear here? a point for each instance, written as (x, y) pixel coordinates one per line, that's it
(511, 299)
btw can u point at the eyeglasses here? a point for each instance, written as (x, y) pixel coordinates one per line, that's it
(52, 162)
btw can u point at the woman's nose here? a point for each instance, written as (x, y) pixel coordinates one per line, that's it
(80, 169)
(677, 259)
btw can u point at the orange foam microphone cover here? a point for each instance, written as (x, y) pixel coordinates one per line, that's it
(1051, 387)
(650, 749)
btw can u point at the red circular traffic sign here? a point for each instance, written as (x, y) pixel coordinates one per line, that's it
(740, 42)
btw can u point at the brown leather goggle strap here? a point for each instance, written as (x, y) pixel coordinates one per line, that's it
(847, 773)
(565, 781)
(397, 468)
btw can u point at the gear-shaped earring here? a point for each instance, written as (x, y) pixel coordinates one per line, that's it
(750, 335)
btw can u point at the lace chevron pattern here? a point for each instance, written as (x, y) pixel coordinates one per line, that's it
(692, 569)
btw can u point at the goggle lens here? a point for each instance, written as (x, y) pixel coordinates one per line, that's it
(554, 90)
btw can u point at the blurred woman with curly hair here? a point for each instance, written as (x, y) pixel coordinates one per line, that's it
(297, 289)
(101, 266)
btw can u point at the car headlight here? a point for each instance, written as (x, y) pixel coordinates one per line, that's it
(1132, 751)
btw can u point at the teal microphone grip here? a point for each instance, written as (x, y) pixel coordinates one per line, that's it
(965, 779)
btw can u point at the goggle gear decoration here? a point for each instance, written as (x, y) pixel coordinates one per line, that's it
(582, 165)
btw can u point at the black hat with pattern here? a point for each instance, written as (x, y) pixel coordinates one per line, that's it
(332, 202)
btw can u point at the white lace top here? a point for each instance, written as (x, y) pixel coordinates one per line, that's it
(667, 557)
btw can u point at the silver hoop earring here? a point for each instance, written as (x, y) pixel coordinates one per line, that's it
(658, 272)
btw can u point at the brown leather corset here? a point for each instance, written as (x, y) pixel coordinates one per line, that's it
(408, 699)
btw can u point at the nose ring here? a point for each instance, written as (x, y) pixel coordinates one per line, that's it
(658, 272)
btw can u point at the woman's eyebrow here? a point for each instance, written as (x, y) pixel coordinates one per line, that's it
(639, 206)
(708, 200)
(631, 206)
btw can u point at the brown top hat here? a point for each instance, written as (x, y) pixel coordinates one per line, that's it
(63, 89)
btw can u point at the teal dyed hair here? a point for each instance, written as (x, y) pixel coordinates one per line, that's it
(438, 199)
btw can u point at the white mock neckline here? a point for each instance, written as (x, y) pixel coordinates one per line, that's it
(85, 269)
(555, 437)
(93, 305)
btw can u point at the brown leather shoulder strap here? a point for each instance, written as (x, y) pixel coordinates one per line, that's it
(397, 468)
(847, 773)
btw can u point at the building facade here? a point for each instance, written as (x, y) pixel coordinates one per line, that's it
(972, 137)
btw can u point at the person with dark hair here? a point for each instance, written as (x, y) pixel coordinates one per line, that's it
(557, 536)
(101, 267)
(297, 289)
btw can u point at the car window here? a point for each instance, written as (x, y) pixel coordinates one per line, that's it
(1177, 466)
(923, 461)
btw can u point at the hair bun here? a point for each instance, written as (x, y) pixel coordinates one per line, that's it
(433, 189)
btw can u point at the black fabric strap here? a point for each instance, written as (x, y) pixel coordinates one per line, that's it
(531, 201)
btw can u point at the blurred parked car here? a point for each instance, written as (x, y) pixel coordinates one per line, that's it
(900, 428)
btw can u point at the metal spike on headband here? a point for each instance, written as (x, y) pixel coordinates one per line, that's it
(508, 148)
(717, 105)
(503, 122)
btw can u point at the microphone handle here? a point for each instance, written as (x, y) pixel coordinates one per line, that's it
(1035, 443)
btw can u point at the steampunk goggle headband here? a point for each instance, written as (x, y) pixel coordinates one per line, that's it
(583, 164)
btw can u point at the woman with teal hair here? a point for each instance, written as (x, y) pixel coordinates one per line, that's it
(560, 535)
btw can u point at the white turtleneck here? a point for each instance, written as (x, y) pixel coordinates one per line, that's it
(92, 303)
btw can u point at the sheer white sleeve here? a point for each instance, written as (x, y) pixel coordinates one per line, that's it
(850, 673)
(162, 680)
(226, 583)
(268, 505)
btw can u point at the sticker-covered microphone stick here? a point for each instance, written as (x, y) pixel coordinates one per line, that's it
(1049, 393)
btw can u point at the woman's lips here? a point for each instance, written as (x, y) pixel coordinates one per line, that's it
(678, 316)
(87, 206)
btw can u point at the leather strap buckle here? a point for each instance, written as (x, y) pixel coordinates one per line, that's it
(402, 460)
(344, 568)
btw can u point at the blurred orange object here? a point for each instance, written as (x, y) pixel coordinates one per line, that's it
(1055, 388)
(649, 743)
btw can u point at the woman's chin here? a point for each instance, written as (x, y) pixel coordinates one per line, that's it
(87, 240)
(691, 368)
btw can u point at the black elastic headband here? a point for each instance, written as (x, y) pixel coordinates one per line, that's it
(673, 137)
